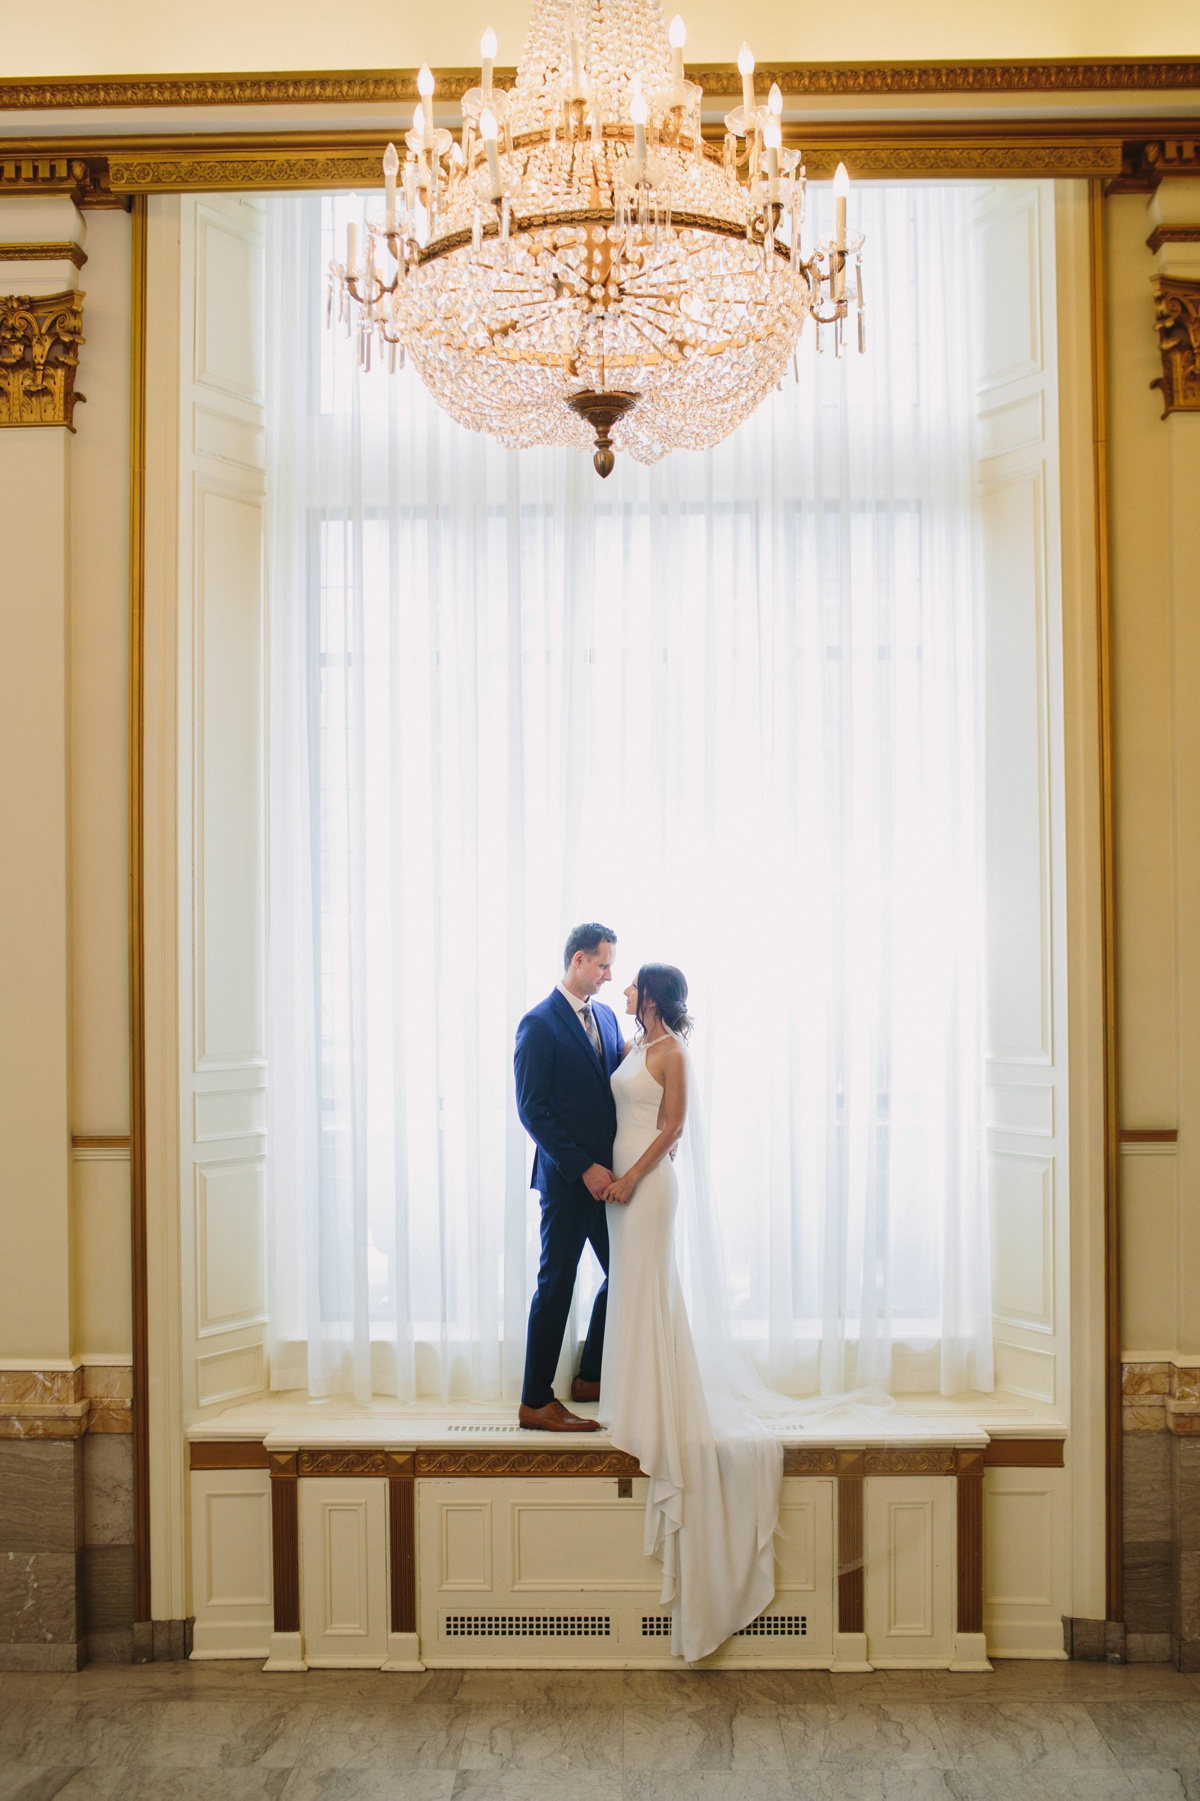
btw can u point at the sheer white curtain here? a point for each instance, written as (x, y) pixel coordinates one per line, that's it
(729, 706)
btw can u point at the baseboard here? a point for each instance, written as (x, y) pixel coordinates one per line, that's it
(403, 1652)
(287, 1652)
(230, 1641)
(850, 1653)
(970, 1652)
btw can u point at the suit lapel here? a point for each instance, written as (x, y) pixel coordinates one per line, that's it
(573, 1027)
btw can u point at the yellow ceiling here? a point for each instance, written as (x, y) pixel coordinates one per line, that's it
(167, 36)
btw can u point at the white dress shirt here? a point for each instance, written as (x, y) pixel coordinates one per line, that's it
(579, 1005)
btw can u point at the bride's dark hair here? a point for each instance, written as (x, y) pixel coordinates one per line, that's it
(667, 987)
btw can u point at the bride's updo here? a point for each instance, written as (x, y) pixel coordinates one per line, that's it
(667, 987)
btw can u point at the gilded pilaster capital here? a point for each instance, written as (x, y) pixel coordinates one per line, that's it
(1177, 323)
(40, 335)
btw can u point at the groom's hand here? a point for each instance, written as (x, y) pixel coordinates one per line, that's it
(597, 1180)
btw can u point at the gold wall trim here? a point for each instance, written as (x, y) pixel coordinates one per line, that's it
(232, 170)
(43, 253)
(363, 87)
(1113, 1526)
(1172, 234)
(1132, 155)
(137, 916)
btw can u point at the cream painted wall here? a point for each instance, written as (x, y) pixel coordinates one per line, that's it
(99, 831)
(35, 1270)
(162, 36)
(1155, 468)
(64, 1040)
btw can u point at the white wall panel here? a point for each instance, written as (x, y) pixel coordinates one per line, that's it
(231, 1562)
(344, 1587)
(230, 1251)
(230, 769)
(1026, 1562)
(222, 797)
(1010, 235)
(1018, 498)
(229, 275)
(1012, 524)
(909, 1594)
(1022, 1190)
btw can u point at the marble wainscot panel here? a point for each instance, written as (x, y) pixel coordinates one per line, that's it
(108, 1546)
(1161, 1520)
(42, 1404)
(66, 1517)
(41, 1528)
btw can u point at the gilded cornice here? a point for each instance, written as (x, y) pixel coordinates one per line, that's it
(1177, 322)
(40, 337)
(385, 87)
(44, 253)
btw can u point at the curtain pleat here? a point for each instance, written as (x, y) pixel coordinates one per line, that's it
(728, 705)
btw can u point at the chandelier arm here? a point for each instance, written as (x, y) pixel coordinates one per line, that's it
(680, 221)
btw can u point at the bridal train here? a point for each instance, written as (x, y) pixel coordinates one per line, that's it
(714, 1471)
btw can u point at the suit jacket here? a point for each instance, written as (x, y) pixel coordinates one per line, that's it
(563, 1094)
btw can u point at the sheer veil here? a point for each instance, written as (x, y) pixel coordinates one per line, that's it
(739, 1400)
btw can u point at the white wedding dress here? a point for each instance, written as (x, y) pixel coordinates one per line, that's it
(714, 1471)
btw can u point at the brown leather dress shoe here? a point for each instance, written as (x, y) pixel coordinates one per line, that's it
(553, 1417)
(582, 1390)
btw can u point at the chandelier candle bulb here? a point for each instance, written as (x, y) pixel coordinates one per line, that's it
(487, 131)
(842, 190)
(425, 89)
(775, 101)
(746, 70)
(773, 139)
(487, 52)
(678, 38)
(391, 164)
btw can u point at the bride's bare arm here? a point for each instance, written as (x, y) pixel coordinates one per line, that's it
(671, 1073)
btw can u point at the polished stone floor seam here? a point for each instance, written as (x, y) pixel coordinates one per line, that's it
(227, 1732)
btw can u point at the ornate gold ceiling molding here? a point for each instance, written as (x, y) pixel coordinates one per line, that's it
(358, 87)
(1177, 322)
(234, 170)
(1128, 155)
(34, 170)
(1166, 234)
(40, 337)
(43, 253)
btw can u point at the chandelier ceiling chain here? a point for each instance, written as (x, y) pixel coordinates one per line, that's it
(578, 266)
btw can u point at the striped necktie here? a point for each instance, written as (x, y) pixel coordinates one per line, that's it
(591, 1028)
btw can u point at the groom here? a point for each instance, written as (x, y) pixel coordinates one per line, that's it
(567, 1050)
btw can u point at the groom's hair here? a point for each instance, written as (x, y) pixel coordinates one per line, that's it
(587, 938)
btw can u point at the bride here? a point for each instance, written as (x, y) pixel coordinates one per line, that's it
(678, 1402)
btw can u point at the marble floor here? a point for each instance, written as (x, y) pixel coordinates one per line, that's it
(226, 1732)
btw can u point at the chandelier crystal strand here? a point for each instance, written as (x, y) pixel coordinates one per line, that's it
(579, 267)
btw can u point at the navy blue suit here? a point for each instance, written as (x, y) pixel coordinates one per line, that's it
(566, 1105)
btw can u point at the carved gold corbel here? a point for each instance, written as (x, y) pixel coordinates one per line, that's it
(40, 335)
(1177, 322)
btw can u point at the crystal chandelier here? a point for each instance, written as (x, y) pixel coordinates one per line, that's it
(579, 265)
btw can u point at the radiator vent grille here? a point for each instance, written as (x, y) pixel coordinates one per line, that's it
(509, 1431)
(527, 1625)
(776, 1625)
(656, 1625)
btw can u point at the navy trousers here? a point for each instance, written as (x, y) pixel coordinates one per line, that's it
(570, 1218)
